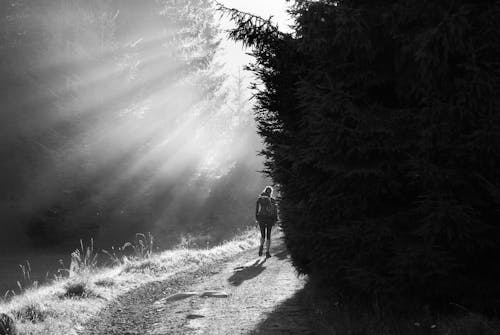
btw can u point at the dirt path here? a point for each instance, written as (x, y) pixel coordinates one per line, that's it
(244, 295)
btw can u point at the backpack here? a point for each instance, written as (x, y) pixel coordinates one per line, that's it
(267, 208)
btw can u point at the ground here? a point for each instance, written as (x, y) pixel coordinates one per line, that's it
(245, 294)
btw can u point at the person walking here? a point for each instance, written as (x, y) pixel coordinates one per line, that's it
(266, 214)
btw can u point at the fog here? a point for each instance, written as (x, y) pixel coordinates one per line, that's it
(121, 117)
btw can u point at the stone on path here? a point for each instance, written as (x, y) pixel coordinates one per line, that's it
(180, 296)
(184, 295)
(214, 294)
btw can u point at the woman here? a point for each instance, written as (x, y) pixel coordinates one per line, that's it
(266, 214)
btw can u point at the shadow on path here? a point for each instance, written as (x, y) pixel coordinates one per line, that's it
(283, 254)
(280, 251)
(290, 317)
(247, 272)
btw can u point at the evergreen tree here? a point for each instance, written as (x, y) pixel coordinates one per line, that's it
(382, 126)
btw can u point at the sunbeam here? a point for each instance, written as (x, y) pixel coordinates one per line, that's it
(125, 108)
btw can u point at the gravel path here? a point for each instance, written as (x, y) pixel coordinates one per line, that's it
(243, 295)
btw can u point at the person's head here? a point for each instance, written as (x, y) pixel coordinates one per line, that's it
(268, 190)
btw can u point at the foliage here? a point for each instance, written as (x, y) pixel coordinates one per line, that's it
(382, 127)
(98, 101)
(7, 325)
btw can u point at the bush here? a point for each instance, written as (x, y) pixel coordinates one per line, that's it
(7, 325)
(78, 288)
(382, 126)
(32, 312)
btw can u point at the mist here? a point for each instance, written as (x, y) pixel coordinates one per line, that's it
(120, 117)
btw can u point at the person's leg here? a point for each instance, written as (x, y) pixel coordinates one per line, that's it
(269, 228)
(262, 227)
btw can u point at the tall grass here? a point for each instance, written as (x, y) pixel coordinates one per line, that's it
(139, 249)
(69, 301)
(115, 255)
(83, 259)
(142, 246)
(26, 281)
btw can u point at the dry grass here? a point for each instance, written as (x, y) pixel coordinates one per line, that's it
(83, 260)
(33, 312)
(66, 304)
(106, 282)
(79, 287)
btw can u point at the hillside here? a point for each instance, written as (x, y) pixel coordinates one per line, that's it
(68, 304)
(224, 290)
(246, 294)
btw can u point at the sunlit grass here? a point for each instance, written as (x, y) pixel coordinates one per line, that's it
(79, 287)
(83, 260)
(64, 306)
(109, 112)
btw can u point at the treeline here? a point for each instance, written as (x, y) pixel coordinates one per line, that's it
(382, 127)
(109, 110)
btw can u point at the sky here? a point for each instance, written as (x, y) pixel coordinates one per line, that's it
(235, 56)
(263, 8)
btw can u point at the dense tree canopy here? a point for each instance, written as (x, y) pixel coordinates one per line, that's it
(382, 127)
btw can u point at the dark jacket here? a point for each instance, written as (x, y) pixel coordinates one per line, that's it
(262, 201)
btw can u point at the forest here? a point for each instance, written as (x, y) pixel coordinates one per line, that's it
(377, 121)
(117, 118)
(381, 122)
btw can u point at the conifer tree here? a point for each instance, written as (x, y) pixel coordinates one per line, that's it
(382, 126)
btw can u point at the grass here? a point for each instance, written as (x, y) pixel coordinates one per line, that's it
(63, 306)
(26, 280)
(79, 287)
(106, 282)
(7, 325)
(83, 260)
(142, 246)
(32, 312)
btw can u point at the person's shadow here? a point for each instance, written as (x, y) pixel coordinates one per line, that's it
(247, 272)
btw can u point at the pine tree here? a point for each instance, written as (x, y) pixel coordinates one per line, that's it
(382, 126)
